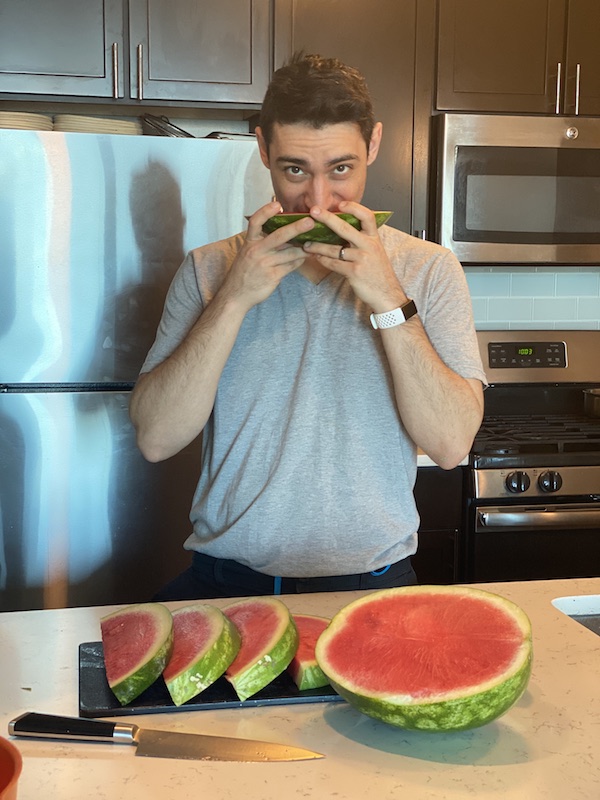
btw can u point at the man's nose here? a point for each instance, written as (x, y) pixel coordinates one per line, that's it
(319, 194)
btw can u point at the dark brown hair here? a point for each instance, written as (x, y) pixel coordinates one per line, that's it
(317, 91)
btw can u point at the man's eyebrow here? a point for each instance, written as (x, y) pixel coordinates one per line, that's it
(303, 162)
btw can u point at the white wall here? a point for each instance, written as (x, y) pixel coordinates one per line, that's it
(507, 298)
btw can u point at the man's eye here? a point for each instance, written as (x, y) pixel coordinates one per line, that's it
(294, 170)
(342, 169)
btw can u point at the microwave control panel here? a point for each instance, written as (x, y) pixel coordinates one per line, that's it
(527, 355)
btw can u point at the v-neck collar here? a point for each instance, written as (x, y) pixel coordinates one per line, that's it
(314, 279)
(308, 286)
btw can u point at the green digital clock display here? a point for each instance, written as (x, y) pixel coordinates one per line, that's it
(525, 351)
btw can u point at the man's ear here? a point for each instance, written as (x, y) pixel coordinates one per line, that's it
(375, 142)
(262, 147)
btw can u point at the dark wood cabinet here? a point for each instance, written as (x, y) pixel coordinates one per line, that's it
(66, 47)
(184, 51)
(439, 497)
(582, 58)
(381, 44)
(539, 56)
(189, 50)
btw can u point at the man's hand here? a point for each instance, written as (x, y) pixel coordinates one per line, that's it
(365, 263)
(264, 261)
(440, 410)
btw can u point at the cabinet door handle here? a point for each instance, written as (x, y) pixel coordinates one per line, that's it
(115, 69)
(558, 83)
(140, 71)
(577, 82)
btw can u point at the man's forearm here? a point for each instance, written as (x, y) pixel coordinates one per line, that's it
(440, 410)
(171, 404)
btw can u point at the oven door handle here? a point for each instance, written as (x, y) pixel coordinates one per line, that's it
(547, 517)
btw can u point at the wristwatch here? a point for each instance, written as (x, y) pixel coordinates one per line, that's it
(389, 319)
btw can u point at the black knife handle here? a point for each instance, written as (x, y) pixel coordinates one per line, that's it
(49, 726)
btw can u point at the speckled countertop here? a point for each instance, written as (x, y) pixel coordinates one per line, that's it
(426, 461)
(544, 748)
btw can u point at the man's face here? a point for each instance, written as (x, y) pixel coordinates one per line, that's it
(318, 166)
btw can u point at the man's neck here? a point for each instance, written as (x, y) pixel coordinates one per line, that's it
(313, 270)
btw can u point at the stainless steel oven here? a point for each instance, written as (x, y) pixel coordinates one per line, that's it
(519, 190)
(533, 506)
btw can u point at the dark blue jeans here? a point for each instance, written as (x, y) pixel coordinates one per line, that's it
(216, 577)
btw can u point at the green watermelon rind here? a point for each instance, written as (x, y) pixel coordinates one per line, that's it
(309, 674)
(210, 665)
(466, 710)
(320, 232)
(312, 677)
(150, 669)
(276, 656)
(449, 715)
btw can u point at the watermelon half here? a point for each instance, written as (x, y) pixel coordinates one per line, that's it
(137, 642)
(303, 668)
(431, 658)
(205, 643)
(269, 642)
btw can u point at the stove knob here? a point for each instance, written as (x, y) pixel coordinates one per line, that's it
(517, 482)
(550, 481)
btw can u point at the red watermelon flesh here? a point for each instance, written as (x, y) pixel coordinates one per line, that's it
(191, 631)
(304, 670)
(269, 642)
(137, 643)
(429, 657)
(205, 643)
(443, 648)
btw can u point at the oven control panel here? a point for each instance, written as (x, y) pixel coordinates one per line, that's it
(527, 355)
(537, 482)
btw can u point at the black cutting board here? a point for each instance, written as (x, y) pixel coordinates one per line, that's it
(97, 700)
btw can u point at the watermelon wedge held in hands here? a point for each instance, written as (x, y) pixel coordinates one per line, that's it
(431, 658)
(137, 642)
(303, 669)
(205, 643)
(269, 642)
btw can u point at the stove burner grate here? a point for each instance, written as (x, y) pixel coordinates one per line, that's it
(542, 434)
(520, 440)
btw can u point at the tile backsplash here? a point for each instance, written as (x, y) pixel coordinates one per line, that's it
(506, 298)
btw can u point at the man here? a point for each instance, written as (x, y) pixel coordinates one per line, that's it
(310, 415)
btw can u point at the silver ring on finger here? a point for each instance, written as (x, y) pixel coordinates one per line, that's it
(341, 255)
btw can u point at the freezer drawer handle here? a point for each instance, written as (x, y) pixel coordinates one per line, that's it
(545, 518)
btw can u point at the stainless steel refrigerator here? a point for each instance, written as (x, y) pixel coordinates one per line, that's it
(92, 230)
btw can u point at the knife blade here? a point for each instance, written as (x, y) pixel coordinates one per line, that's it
(155, 743)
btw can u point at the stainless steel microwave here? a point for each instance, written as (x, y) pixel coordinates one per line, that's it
(519, 190)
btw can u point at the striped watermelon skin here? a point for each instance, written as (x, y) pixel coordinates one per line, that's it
(137, 642)
(320, 232)
(205, 643)
(269, 642)
(430, 658)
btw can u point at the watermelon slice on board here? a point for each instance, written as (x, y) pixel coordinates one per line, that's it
(205, 642)
(303, 668)
(137, 642)
(432, 658)
(269, 642)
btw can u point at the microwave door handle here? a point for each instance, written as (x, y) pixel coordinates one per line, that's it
(577, 84)
(558, 83)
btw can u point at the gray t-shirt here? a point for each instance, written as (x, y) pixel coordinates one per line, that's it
(306, 467)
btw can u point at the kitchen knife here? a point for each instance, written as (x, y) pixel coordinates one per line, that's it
(159, 744)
